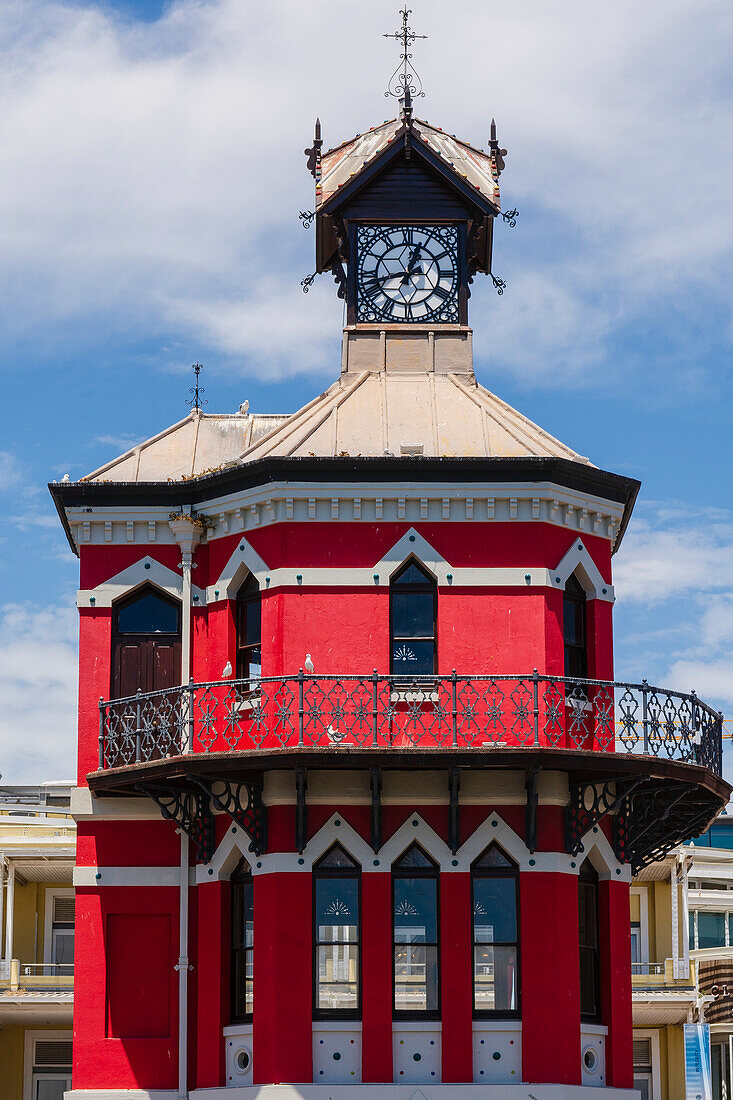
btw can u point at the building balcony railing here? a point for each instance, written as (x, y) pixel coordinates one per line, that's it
(22, 977)
(380, 712)
(646, 976)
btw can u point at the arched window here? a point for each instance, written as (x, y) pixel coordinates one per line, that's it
(574, 629)
(415, 935)
(242, 942)
(413, 599)
(249, 630)
(146, 642)
(590, 994)
(336, 935)
(495, 906)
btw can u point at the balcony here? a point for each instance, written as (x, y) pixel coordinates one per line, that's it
(392, 714)
(658, 998)
(37, 993)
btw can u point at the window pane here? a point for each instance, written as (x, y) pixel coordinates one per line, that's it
(412, 575)
(338, 974)
(710, 929)
(412, 614)
(337, 909)
(243, 914)
(692, 928)
(243, 964)
(494, 910)
(63, 947)
(415, 978)
(588, 982)
(495, 978)
(148, 615)
(572, 622)
(415, 910)
(253, 631)
(52, 1089)
(413, 658)
(587, 915)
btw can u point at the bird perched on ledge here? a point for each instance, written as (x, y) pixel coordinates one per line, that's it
(308, 666)
(226, 671)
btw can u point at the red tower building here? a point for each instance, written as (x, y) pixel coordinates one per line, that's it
(361, 801)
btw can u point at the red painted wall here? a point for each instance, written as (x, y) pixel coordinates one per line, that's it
(550, 967)
(456, 977)
(615, 952)
(213, 968)
(376, 971)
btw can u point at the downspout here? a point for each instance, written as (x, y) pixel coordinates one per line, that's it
(187, 534)
(183, 968)
(9, 902)
(674, 897)
(685, 919)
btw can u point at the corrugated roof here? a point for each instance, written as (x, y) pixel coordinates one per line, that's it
(339, 165)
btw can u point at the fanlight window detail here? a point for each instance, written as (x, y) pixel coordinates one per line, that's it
(148, 612)
(413, 607)
(415, 935)
(495, 889)
(336, 935)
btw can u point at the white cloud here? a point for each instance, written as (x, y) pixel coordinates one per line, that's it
(10, 472)
(659, 560)
(38, 678)
(153, 172)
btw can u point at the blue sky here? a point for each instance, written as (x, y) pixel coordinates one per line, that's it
(153, 173)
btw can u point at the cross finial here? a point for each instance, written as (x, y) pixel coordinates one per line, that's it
(196, 401)
(405, 81)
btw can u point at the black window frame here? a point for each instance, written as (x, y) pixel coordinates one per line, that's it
(136, 596)
(241, 878)
(422, 587)
(496, 872)
(431, 872)
(588, 880)
(321, 872)
(249, 594)
(575, 599)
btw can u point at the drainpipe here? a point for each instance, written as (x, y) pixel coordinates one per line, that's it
(686, 920)
(183, 968)
(2, 898)
(9, 902)
(187, 534)
(675, 920)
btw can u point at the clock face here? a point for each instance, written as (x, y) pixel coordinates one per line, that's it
(407, 273)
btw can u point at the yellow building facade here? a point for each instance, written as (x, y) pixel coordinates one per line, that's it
(37, 854)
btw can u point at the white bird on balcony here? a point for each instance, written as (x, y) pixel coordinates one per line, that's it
(309, 666)
(226, 671)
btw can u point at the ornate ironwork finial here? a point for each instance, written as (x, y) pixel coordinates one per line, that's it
(405, 83)
(195, 400)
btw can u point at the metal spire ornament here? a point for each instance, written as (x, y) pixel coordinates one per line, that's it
(405, 82)
(196, 401)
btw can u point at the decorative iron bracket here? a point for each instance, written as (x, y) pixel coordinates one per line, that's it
(376, 789)
(301, 810)
(530, 811)
(243, 803)
(308, 282)
(590, 802)
(499, 284)
(652, 822)
(191, 812)
(508, 216)
(306, 217)
(454, 822)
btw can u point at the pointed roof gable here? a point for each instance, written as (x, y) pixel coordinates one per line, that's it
(347, 167)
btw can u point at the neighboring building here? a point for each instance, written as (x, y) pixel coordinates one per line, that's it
(682, 962)
(37, 855)
(375, 870)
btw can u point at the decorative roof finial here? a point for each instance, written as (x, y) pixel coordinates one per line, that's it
(196, 401)
(497, 154)
(405, 83)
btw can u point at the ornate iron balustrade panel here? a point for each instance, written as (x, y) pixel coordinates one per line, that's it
(395, 712)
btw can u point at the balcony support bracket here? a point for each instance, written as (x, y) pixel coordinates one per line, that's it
(301, 810)
(375, 780)
(590, 802)
(651, 823)
(530, 811)
(243, 803)
(454, 824)
(190, 810)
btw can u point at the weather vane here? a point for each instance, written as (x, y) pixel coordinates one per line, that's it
(196, 401)
(405, 82)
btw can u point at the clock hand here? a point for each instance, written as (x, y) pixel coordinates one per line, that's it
(410, 265)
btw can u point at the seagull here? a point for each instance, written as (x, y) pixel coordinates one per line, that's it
(226, 671)
(244, 408)
(66, 478)
(309, 666)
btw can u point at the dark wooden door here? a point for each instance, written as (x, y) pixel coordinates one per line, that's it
(146, 644)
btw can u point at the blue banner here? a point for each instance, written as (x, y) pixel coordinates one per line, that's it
(698, 1083)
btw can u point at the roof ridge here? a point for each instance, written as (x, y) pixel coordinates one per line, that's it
(525, 420)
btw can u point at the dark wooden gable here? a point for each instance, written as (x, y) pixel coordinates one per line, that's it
(406, 189)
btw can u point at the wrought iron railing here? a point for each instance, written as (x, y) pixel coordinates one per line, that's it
(394, 712)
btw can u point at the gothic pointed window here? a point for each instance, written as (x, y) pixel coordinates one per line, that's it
(146, 642)
(336, 938)
(415, 935)
(590, 997)
(242, 942)
(495, 906)
(575, 629)
(249, 631)
(413, 610)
